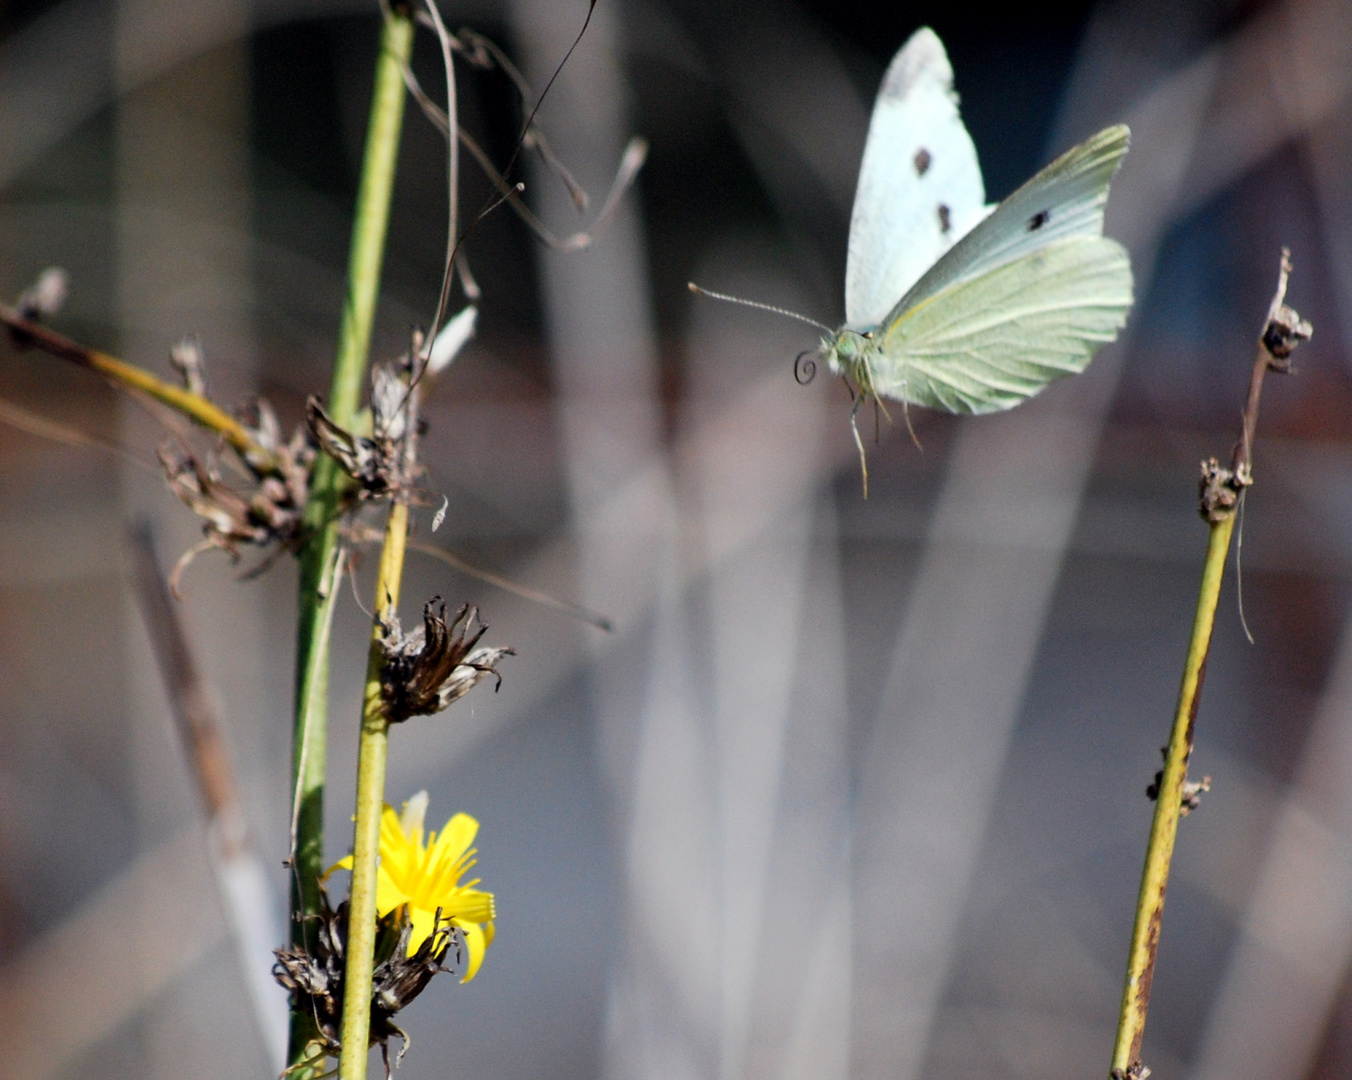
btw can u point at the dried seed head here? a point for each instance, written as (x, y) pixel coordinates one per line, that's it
(314, 977)
(1284, 331)
(224, 512)
(269, 513)
(357, 455)
(1219, 489)
(436, 663)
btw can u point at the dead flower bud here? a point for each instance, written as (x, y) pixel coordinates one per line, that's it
(269, 513)
(436, 663)
(290, 462)
(315, 977)
(186, 358)
(381, 462)
(44, 297)
(225, 513)
(1219, 490)
(357, 455)
(389, 403)
(1284, 331)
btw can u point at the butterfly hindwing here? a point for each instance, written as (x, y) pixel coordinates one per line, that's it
(989, 341)
(919, 184)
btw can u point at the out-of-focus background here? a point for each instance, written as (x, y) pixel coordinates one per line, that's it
(855, 789)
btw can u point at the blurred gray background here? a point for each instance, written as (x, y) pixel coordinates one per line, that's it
(856, 788)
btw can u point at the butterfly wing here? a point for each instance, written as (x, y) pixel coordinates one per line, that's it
(1066, 199)
(919, 183)
(992, 340)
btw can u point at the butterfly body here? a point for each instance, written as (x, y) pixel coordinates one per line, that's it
(955, 305)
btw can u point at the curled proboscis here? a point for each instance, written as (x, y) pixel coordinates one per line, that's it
(805, 367)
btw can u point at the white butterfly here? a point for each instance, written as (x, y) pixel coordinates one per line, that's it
(953, 304)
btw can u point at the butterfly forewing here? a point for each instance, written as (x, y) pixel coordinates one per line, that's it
(919, 184)
(1066, 199)
(990, 341)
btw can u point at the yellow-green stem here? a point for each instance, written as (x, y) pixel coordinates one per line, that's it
(369, 229)
(371, 757)
(1168, 806)
(194, 406)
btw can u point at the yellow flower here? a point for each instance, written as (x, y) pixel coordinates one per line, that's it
(426, 876)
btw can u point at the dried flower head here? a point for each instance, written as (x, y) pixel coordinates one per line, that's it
(383, 461)
(436, 663)
(314, 976)
(225, 512)
(289, 462)
(265, 510)
(1284, 331)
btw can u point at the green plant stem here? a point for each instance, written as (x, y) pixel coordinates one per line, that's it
(369, 229)
(1221, 491)
(1168, 807)
(372, 753)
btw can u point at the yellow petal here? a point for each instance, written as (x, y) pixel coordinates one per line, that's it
(423, 924)
(472, 905)
(388, 893)
(397, 854)
(454, 840)
(345, 863)
(476, 943)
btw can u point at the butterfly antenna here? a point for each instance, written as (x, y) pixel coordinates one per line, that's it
(761, 307)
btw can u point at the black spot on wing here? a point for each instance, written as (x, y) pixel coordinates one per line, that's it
(1038, 220)
(945, 219)
(922, 161)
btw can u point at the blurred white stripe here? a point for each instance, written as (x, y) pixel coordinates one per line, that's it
(957, 677)
(96, 970)
(253, 909)
(754, 493)
(661, 1016)
(1288, 966)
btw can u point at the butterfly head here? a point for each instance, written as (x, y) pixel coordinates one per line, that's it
(846, 353)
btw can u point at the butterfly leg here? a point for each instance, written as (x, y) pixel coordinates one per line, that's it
(858, 442)
(878, 407)
(906, 415)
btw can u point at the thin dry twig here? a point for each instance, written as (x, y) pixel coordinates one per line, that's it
(191, 704)
(19, 418)
(483, 52)
(577, 611)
